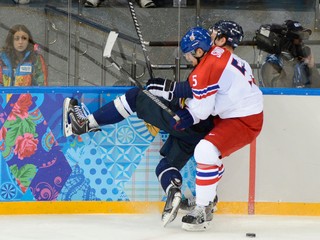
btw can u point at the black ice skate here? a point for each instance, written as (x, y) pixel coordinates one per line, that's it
(171, 207)
(75, 119)
(198, 219)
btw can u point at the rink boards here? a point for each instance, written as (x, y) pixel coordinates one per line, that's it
(112, 171)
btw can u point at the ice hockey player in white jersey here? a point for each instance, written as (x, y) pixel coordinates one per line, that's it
(222, 85)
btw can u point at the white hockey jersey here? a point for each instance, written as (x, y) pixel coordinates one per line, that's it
(223, 84)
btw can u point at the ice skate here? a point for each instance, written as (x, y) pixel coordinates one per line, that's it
(198, 219)
(189, 203)
(171, 207)
(75, 119)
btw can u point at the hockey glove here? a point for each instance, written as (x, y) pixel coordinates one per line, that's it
(186, 120)
(161, 87)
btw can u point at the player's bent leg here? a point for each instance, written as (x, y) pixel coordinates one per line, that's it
(171, 181)
(209, 172)
(118, 109)
(78, 120)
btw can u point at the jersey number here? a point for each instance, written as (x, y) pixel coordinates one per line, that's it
(241, 68)
(237, 65)
(194, 80)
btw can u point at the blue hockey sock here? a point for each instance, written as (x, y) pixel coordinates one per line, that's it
(117, 110)
(168, 175)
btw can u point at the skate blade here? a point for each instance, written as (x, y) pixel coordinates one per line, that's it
(175, 208)
(67, 127)
(196, 227)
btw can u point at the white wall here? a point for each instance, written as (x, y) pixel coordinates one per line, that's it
(288, 156)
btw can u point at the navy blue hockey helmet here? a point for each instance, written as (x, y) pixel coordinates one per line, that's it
(195, 38)
(229, 29)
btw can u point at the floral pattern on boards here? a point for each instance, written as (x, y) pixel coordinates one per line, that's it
(29, 148)
(19, 132)
(37, 163)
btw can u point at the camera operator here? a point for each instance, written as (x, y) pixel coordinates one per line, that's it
(294, 66)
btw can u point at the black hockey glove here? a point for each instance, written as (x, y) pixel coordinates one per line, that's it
(186, 120)
(161, 87)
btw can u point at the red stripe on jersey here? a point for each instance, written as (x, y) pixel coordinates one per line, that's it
(205, 94)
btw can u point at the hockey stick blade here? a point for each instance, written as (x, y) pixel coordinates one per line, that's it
(110, 43)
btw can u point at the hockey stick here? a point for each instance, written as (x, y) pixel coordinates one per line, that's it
(107, 54)
(137, 27)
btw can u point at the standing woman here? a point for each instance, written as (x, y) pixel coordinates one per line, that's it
(20, 63)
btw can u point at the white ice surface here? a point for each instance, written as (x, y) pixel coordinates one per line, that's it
(149, 227)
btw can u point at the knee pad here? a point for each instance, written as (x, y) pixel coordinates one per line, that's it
(206, 153)
(209, 170)
(167, 175)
